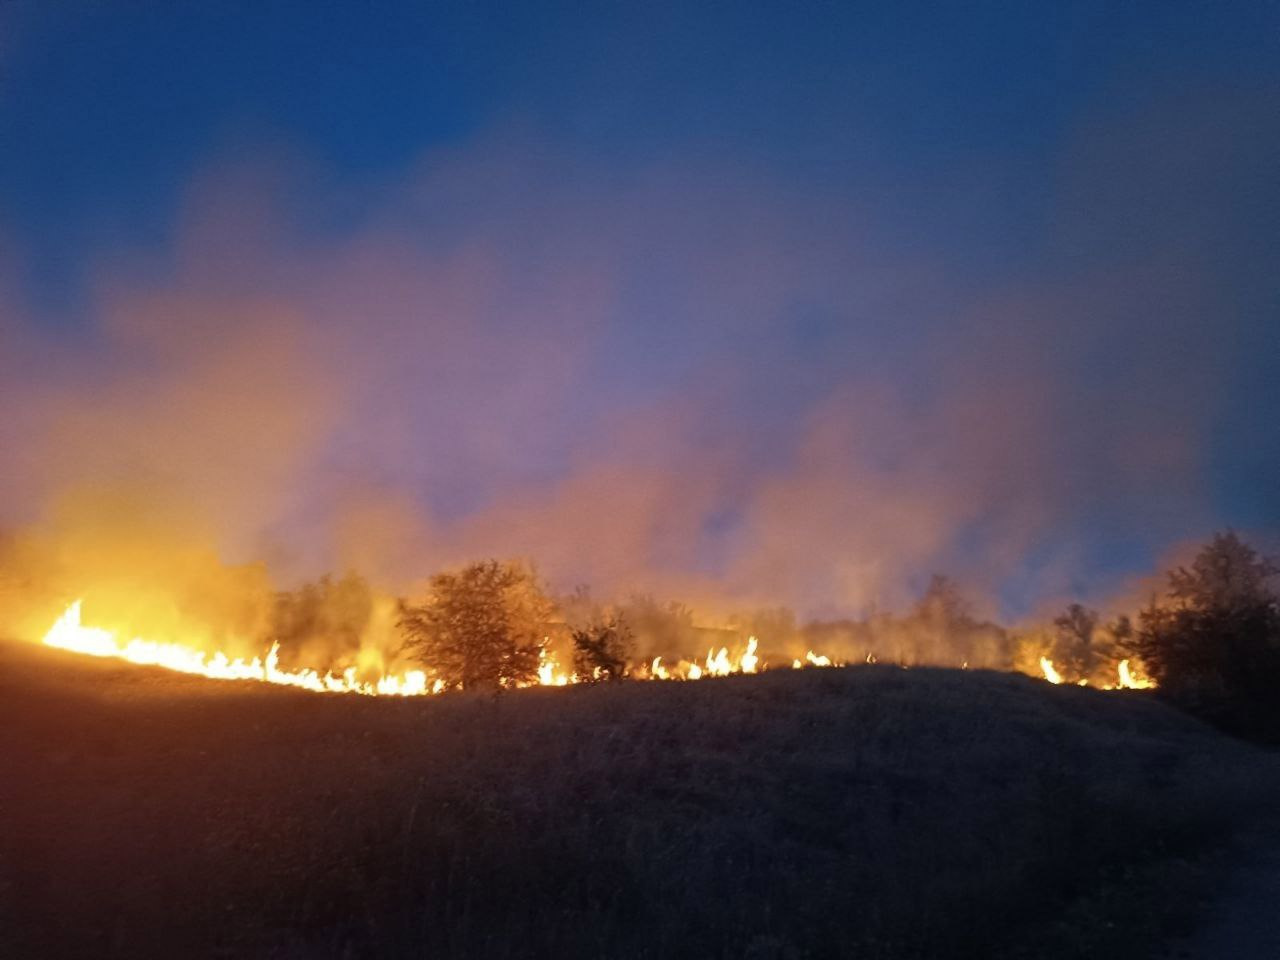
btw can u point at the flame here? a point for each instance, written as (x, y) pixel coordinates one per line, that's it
(817, 660)
(549, 672)
(716, 664)
(1127, 680)
(69, 633)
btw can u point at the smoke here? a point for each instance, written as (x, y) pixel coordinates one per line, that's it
(704, 382)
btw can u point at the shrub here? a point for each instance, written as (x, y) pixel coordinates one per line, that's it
(481, 627)
(601, 651)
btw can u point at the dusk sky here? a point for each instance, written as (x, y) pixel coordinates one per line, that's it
(771, 303)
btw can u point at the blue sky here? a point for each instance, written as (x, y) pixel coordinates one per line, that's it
(803, 298)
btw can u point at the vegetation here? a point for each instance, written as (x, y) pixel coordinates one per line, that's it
(940, 629)
(869, 812)
(1213, 642)
(332, 614)
(482, 627)
(602, 650)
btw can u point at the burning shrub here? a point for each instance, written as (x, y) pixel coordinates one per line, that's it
(601, 651)
(328, 613)
(483, 626)
(1213, 645)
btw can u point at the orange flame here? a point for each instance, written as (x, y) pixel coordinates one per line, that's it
(1128, 680)
(68, 633)
(1050, 674)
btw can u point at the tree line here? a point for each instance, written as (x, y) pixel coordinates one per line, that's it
(1210, 640)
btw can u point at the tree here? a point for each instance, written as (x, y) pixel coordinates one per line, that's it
(1074, 651)
(481, 627)
(601, 650)
(943, 605)
(1213, 644)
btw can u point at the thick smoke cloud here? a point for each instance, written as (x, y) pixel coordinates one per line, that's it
(710, 382)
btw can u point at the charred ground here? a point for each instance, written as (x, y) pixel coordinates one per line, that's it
(869, 811)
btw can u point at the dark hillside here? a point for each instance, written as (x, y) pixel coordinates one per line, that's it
(870, 812)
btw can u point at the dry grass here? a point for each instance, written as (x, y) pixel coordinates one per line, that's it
(869, 812)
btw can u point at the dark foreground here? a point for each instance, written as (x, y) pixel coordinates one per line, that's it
(870, 812)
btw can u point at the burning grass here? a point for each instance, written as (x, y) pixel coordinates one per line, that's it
(869, 811)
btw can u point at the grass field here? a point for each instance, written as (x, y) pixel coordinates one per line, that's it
(865, 812)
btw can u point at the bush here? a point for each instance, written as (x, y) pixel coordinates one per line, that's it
(1213, 644)
(482, 627)
(336, 611)
(601, 651)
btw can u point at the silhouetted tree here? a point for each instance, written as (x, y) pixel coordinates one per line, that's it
(481, 627)
(1213, 644)
(601, 650)
(1074, 652)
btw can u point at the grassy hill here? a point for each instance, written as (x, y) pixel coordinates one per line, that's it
(869, 812)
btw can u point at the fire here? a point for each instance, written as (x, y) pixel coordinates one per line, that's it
(1127, 680)
(69, 633)
(717, 664)
(817, 660)
(549, 672)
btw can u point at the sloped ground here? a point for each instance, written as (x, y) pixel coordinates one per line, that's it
(870, 812)
(1239, 919)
